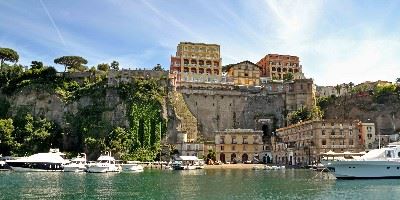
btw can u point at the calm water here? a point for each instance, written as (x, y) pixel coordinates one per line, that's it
(200, 184)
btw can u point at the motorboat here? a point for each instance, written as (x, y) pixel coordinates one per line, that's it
(105, 163)
(378, 163)
(42, 162)
(267, 167)
(132, 166)
(187, 163)
(77, 164)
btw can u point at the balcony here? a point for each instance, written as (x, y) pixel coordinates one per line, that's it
(338, 146)
(337, 136)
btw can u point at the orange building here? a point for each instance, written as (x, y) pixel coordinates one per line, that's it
(196, 62)
(277, 66)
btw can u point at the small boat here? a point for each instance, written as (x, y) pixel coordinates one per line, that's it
(3, 166)
(187, 163)
(77, 164)
(105, 163)
(132, 166)
(267, 167)
(378, 163)
(42, 162)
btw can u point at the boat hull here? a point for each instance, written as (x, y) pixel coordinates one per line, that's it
(132, 168)
(36, 166)
(364, 169)
(74, 168)
(102, 169)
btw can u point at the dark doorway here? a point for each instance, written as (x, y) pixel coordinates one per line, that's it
(245, 157)
(222, 157)
(233, 157)
(268, 159)
(265, 130)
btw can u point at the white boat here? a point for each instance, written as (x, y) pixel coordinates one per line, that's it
(77, 164)
(105, 163)
(187, 163)
(267, 167)
(132, 166)
(42, 162)
(378, 163)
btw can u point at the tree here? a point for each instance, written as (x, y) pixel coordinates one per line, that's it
(71, 62)
(338, 88)
(7, 54)
(120, 141)
(114, 65)
(103, 67)
(36, 65)
(7, 142)
(289, 77)
(158, 67)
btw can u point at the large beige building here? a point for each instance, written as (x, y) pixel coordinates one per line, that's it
(196, 62)
(238, 145)
(303, 143)
(243, 73)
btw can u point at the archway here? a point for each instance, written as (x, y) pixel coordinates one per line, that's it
(268, 159)
(222, 157)
(233, 157)
(245, 157)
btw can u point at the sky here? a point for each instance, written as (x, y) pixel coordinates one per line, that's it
(338, 41)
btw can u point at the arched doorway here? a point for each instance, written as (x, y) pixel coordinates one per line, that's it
(233, 157)
(222, 157)
(268, 159)
(245, 157)
(265, 130)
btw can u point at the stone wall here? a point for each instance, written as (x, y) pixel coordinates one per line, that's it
(223, 109)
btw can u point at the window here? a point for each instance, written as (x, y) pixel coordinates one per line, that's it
(332, 124)
(369, 129)
(323, 132)
(369, 135)
(233, 148)
(350, 142)
(234, 140)
(350, 132)
(222, 148)
(323, 142)
(245, 140)
(333, 132)
(244, 148)
(222, 140)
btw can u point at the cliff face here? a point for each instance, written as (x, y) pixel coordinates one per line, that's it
(385, 115)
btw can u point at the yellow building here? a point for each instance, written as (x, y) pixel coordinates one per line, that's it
(196, 62)
(243, 73)
(303, 143)
(238, 145)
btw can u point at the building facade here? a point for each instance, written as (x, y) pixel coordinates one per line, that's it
(367, 136)
(303, 143)
(238, 145)
(196, 62)
(243, 73)
(277, 66)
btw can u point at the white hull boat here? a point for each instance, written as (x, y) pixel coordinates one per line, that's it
(378, 163)
(104, 164)
(132, 166)
(77, 164)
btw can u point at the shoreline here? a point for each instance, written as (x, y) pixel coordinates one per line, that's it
(234, 166)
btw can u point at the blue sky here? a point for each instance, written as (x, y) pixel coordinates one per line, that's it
(337, 41)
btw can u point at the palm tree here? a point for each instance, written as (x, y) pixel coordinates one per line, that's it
(338, 88)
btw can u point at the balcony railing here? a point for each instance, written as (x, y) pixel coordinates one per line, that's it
(337, 136)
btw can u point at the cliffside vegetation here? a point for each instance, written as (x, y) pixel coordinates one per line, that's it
(87, 129)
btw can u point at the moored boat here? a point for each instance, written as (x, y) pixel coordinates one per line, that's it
(378, 163)
(187, 163)
(77, 164)
(132, 166)
(42, 162)
(105, 163)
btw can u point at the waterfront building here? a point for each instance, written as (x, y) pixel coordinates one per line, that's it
(367, 135)
(196, 62)
(238, 145)
(243, 73)
(189, 148)
(275, 66)
(303, 143)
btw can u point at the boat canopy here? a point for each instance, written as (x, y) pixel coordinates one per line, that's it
(188, 158)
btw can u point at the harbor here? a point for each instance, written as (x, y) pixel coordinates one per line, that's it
(192, 184)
